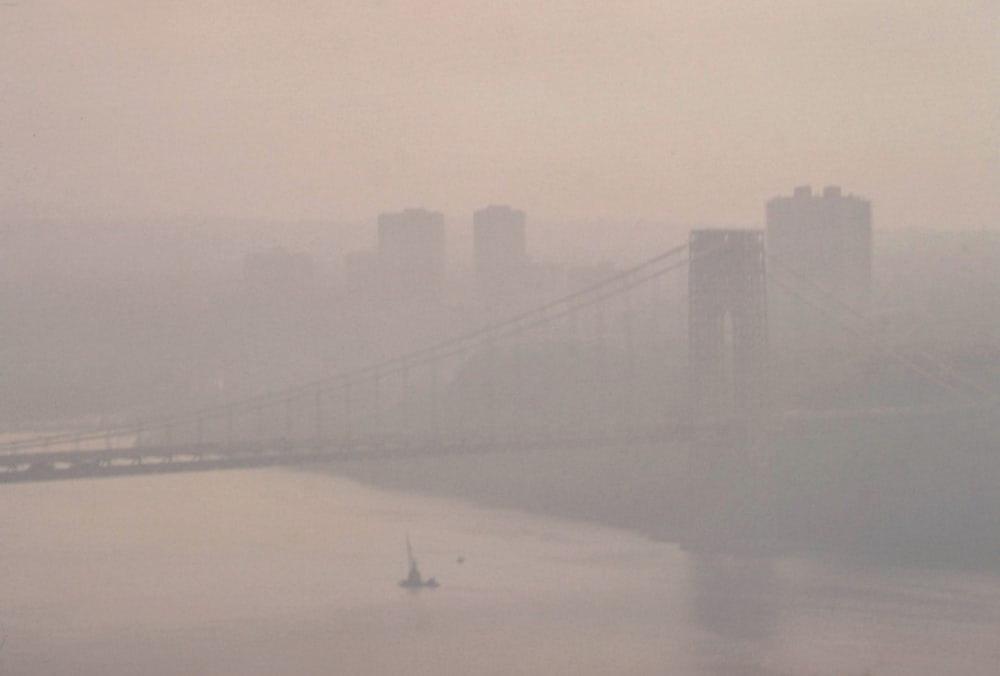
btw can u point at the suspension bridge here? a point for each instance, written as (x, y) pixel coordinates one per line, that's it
(648, 355)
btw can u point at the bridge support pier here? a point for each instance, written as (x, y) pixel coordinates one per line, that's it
(729, 505)
(727, 334)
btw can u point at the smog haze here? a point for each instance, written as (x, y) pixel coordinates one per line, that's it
(665, 335)
(687, 112)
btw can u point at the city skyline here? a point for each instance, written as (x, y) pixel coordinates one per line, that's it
(67, 247)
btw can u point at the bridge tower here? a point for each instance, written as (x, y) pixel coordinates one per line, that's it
(727, 323)
(727, 334)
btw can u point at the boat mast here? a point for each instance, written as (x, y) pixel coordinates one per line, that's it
(409, 552)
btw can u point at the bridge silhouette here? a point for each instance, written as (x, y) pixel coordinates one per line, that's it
(646, 356)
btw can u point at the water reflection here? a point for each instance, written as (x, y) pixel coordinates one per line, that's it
(277, 572)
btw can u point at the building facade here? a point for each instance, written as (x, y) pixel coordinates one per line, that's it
(499, 253)
(822, 244)
(411, 253)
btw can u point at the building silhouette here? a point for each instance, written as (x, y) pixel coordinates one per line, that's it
(499, 254)
(824, 241)
(411, 253)
(278, 273)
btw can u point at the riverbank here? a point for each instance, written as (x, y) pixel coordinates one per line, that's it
(638, 488)
(920, 492)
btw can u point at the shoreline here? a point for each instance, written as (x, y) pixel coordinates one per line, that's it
(863, 513)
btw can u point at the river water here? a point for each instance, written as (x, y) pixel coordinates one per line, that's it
(280, 572)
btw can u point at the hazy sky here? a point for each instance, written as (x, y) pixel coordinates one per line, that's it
(689, 110)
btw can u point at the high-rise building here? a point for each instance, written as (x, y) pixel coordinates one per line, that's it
(278, 272)
(499, 253)
(411, 252)
(823, 241)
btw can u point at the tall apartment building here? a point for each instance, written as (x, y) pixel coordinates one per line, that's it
(499, 253)
(411, 253)
(825, 242)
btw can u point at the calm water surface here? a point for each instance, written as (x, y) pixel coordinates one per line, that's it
(275, 572)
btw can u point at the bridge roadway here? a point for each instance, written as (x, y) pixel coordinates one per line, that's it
(34, 466)
(43, 464)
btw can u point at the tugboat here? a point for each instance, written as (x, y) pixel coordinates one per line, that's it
(414, 580)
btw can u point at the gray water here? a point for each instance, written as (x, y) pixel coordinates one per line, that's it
(279, 572)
